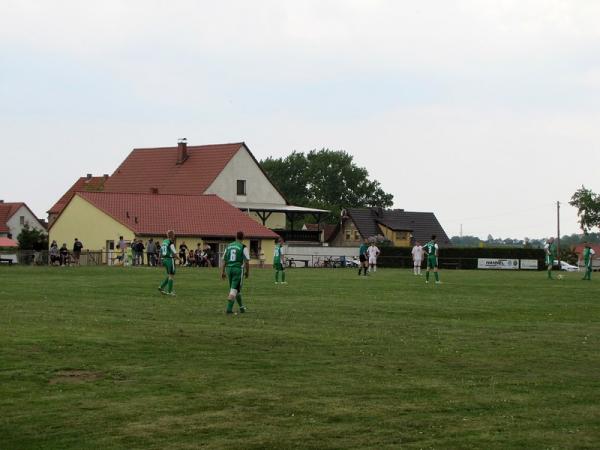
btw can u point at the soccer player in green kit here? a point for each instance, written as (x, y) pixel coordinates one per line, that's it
(588, 256)
(550, 249)
(236, 266)
(362, 256)
(279, 262)
(431, 250)
(168, 255)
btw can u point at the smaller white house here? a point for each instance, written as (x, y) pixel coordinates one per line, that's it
(14, 217)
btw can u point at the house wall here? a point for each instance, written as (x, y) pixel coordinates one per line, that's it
(14, 222)
(348, 236)
(274, 222)
(82, 220)
(398, 238)
(243, 167)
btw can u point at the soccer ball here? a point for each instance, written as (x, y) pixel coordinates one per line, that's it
(559, 276)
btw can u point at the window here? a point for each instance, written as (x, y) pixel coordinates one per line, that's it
(241, 187)
(356, 235)
(254, 248)
(348, 235)
(22, 220)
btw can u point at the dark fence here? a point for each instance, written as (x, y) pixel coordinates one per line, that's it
(459, 257)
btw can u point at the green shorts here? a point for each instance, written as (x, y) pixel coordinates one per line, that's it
(169, 265)
(432, 262)
(278, 266)
(549, 260)
(235, 275)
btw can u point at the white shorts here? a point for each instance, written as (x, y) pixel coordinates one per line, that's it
(372, 259)
(418, 262)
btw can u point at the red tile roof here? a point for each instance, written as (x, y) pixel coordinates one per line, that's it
(579, 248)
(187, 215)
(148, 168)
(6, 242)
(7, 210)
(82, 184)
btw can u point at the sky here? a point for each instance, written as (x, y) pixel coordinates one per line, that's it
(485, 112)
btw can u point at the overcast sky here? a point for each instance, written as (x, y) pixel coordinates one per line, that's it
(484, 112)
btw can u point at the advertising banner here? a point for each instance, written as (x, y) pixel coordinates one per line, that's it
(529, 264)
(493, 263)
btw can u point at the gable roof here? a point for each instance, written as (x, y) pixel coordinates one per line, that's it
(187, 215)
(421, 224)
(7, 210)
(148, 168)
(82, 184)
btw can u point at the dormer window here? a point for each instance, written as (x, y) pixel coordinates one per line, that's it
(241, 187)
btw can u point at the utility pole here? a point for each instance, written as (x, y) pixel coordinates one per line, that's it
(558, 232)
(461, 230)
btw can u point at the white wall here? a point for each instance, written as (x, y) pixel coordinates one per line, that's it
(14, 223)
(242, 167)
(319, 253)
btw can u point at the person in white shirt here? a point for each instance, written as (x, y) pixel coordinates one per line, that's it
(417, 256)
(373, 253)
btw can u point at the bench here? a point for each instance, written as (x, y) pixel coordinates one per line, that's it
(10, 259)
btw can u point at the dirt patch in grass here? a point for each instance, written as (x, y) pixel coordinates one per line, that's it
(75, 376)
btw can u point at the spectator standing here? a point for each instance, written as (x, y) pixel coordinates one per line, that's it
(183, 254)
(198, 256)
(122, 248)
(150, 250)
(140, 252)
(64, 255)
(54, 254)
(77, 247)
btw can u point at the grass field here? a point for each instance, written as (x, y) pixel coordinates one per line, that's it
(97, 358)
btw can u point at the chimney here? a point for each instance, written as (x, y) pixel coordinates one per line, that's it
(1, 201)
(105, 176)
(182, 153)
(89, 176)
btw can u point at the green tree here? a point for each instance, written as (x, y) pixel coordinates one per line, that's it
(325, 179)
(32, 239)
(588, 208)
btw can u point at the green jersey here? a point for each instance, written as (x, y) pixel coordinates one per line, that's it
(551, 250)
(166, 251)
(363, 249)
(235, 254)
(278, 255)
(430, 248)
(587, 255)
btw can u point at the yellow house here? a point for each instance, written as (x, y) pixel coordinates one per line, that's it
(228, 170)
(99, 219)
(401, 228)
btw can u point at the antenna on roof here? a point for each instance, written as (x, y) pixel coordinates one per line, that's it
(181, 140)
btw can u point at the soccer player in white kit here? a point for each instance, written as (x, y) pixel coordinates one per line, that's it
(417, 255)
(373, 252)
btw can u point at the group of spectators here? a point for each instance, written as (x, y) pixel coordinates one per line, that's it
(62, 256)
(132, 254)
(200, 257)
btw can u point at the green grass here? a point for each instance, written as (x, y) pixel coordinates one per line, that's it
(97, 358)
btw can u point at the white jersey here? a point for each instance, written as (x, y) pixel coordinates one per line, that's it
(417, 253)
(373, 251)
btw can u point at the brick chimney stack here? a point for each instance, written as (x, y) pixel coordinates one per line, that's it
(182, 153)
